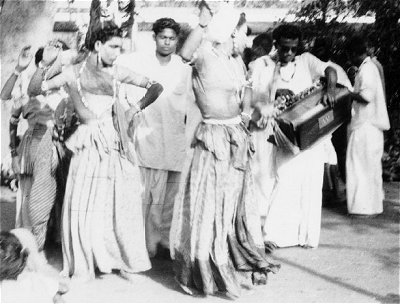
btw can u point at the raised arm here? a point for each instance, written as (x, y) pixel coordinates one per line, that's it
(44, 77)
(13, 127)
(24, 59)
(194, 39)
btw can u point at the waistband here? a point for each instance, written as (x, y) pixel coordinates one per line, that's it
(230, 121)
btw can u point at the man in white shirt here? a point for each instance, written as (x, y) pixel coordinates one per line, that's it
(293, 216)
(160, 136)
(365, 143)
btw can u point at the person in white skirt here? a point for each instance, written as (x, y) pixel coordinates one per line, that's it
(365, 143)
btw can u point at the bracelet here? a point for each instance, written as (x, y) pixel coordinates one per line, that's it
(14, 120)
(246, 115)
(44, 86)
(203, 26)
(16, 73)
(13, 152)
(149, 84)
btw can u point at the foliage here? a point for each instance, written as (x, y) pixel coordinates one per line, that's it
(237, 3)
(320, 19)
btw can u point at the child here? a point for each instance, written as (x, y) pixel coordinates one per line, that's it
(365, 143)
(22, 277)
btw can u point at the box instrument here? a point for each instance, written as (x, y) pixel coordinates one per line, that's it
(304, 119)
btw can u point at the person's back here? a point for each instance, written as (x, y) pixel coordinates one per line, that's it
(366, 140)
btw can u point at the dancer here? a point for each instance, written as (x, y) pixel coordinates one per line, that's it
(216, 241)
(40, 161)
(102, 223)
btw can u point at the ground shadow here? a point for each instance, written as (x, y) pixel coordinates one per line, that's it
(388, 298)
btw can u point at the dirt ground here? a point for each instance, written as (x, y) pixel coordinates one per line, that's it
(357, 261)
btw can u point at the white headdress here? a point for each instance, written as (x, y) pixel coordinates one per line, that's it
(223, 23)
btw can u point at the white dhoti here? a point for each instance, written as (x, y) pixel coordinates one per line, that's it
(364, 171)
(294, 216)
(161, 187)
(263, 164)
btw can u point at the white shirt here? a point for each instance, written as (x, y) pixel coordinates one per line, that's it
(368, 84)
(299, 74)
(160, 135)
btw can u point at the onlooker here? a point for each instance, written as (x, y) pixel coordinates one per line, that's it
(160, 134)
(365, 144)
(371, 52)
(22, 275)
(322, 49)
(262, 45)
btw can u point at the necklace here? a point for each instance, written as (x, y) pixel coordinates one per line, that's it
(284, 76)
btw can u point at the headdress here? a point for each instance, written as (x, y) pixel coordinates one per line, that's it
(120, 12)
(223, 24)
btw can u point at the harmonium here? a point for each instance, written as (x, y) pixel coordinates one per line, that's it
(304, 120)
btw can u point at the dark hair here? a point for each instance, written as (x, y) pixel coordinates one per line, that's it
(357, 44)
(264, 41)
(288, 31)
(164, 23)
(102, 32)
(39, 55)
(64, 46)
(322, 48)
(12, 257)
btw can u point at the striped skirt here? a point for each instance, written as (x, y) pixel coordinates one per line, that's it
(216, 240)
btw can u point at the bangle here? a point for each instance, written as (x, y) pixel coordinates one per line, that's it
(16, 73)
(13, 152)
(203, 26)
(149, 84)
(45, 86)
(248, 116)
(14, 120)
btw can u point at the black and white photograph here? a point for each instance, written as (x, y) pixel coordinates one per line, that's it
(200, 151)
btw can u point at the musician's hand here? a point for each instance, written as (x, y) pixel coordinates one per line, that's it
(24, 58)
(267, 111)
(329, 97)
(286, 93)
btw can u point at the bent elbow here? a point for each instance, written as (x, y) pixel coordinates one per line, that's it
(158, 88)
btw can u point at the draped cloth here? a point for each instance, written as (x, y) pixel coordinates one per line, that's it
(95, 81)
(102, 213)
(215, 238)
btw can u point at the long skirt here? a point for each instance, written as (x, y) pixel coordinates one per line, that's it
(44, 164)
(216, 240)
(102, 221)
(364, 171)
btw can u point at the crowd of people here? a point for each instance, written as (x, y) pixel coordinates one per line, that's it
(133, 156)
